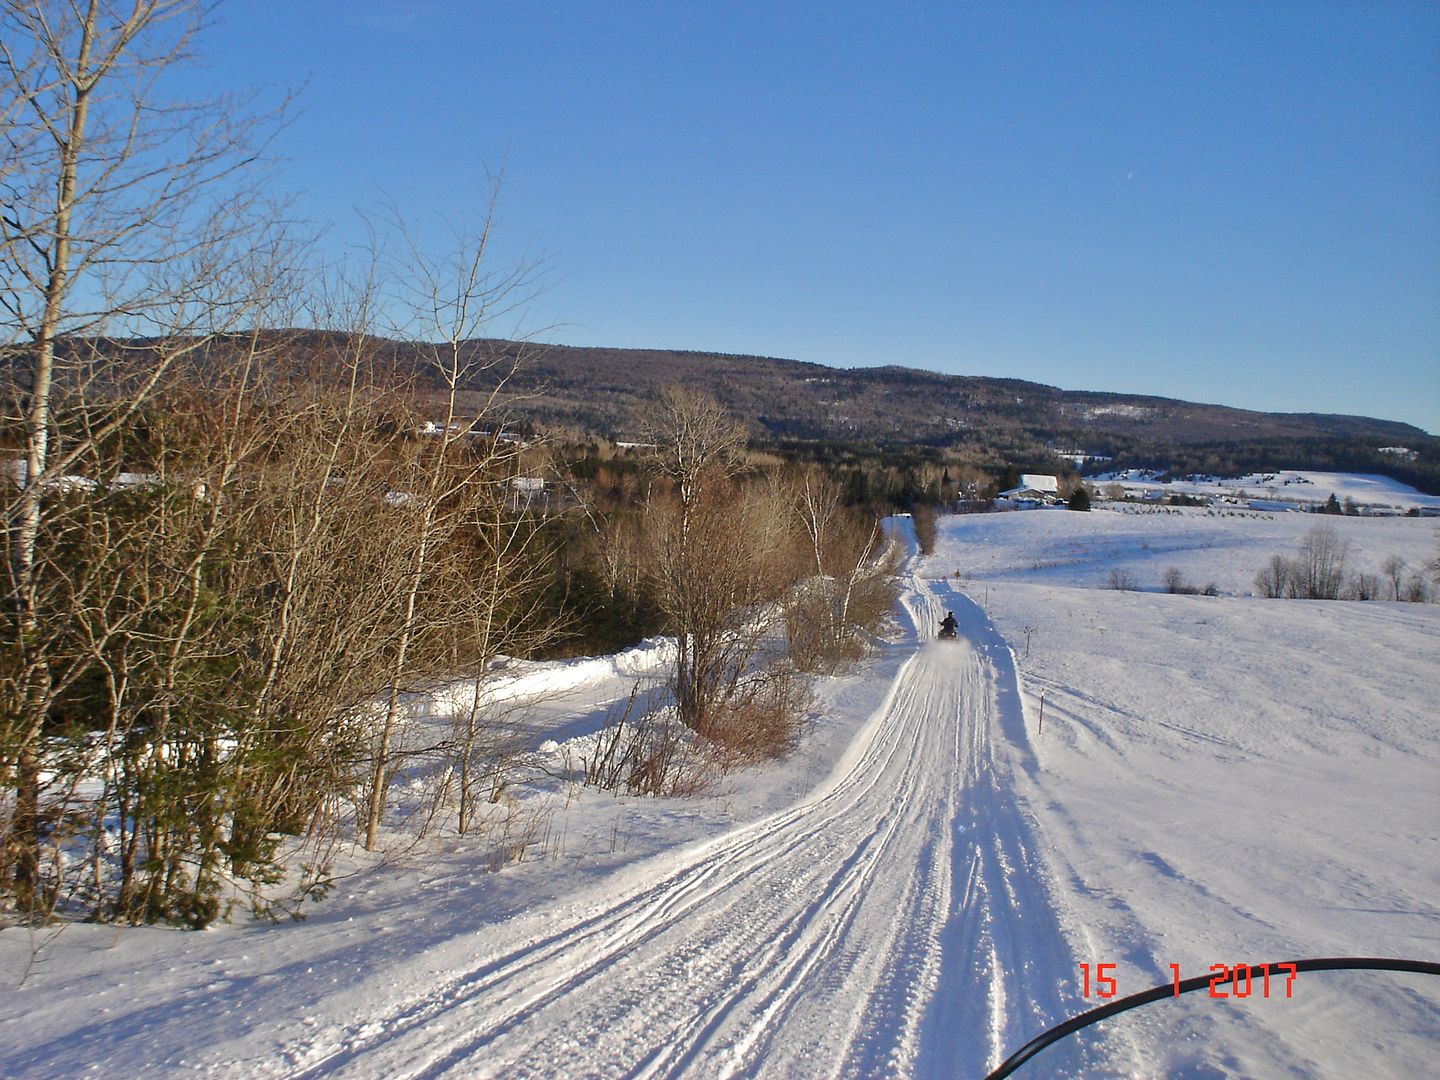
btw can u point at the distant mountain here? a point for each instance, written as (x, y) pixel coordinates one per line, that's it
(605, 391)
(994, 423)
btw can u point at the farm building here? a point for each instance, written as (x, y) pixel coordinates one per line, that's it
(1034, 489)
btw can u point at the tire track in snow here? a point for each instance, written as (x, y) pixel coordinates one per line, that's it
(888, 924)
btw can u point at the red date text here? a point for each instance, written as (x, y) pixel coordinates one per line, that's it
(1226, 980)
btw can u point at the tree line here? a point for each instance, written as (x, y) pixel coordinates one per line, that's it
(1321, 570)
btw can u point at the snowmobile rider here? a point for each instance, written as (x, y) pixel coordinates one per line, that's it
(948, 625)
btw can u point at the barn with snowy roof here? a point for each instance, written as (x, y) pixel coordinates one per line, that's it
(1034, 489)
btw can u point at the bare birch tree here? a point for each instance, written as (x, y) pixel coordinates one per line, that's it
(122, 214)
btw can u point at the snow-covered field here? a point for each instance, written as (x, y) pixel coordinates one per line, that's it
(1285, 490)
(1227, 779)
(1209, 546)
(1218, 780)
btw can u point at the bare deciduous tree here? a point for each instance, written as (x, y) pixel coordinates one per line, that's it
(697, 448)
(1320, 568)
(850, 589)
(1394, 570)
(457, 477)
(123, 217)
(722, 558)
(721, 570)
(230, 553)
(1273, 580)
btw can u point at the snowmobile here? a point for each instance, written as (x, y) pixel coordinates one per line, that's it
(948, 627)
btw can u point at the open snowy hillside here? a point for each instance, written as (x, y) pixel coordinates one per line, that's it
(1227, 779)
(1209, 546)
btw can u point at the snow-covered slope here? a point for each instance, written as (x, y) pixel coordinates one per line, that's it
(889, 921)
(1215, 547)
(1284, 489)
(1227, 779)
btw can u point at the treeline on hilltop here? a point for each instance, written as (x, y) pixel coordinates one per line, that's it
(896, 419)
(603, 390)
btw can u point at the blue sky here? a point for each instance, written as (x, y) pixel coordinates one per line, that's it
(1234, 203)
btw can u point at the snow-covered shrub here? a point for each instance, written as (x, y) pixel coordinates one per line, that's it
(1393, 569)
(1173, 581)
(1364, 587)
(644, 751)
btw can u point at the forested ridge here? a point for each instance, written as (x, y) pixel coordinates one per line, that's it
(900, 416)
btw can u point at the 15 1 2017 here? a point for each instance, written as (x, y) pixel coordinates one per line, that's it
(1226, 980)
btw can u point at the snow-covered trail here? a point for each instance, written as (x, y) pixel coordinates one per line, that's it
(890, 924)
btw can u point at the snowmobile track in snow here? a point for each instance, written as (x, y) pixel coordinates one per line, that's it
(874, 928)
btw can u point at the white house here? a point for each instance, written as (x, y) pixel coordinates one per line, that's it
(1034, 488)
(528, 491)
(435, 427)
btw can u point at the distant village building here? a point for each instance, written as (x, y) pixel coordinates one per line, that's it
(435, 427)
(467, 430)
(1034, 486)
(135, 480)
(502, 436)
(529, 493)
(1034, 490)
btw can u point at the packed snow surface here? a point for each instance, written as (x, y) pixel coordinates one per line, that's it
(912, 893)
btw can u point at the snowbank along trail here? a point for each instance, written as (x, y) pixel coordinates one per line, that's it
(892, 923)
